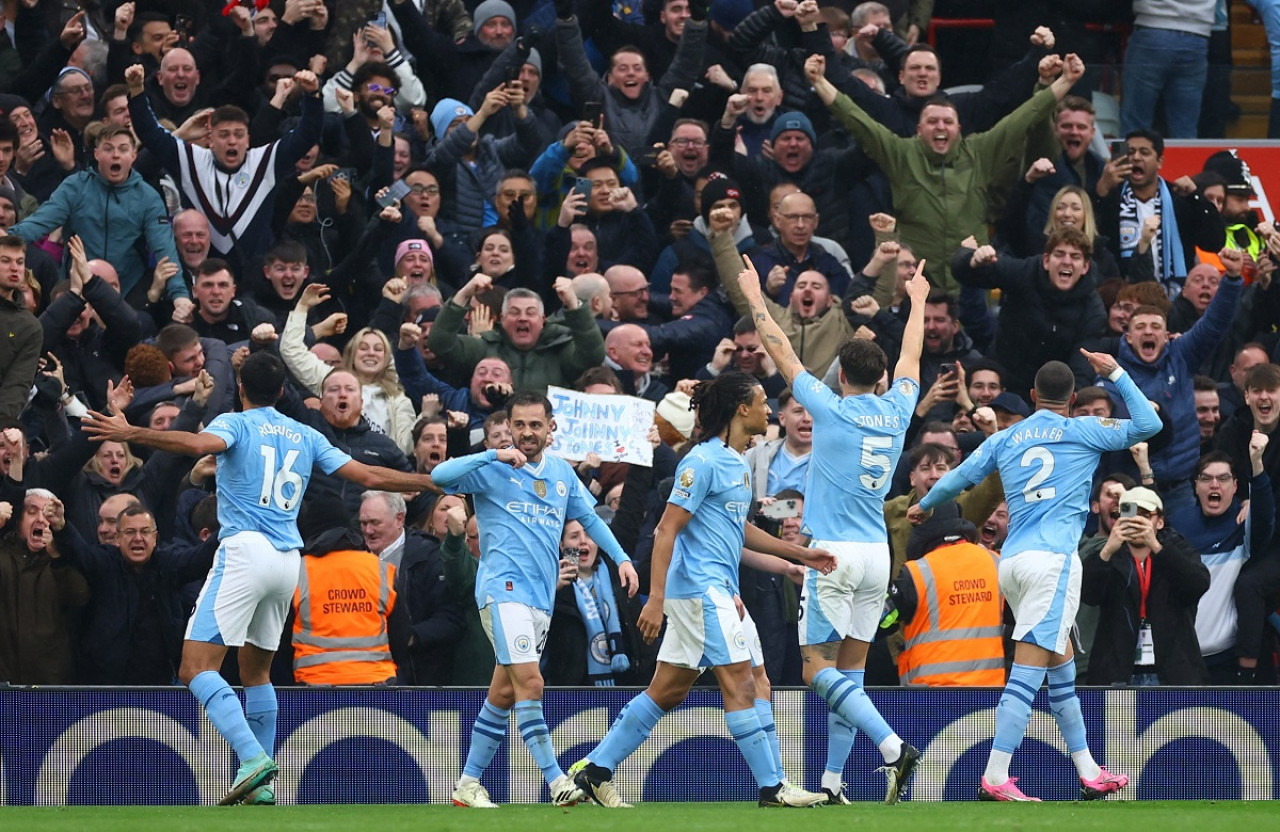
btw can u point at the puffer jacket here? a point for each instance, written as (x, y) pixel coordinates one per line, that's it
(123, 224)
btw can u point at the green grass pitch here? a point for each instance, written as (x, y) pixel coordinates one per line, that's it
(1129, 816)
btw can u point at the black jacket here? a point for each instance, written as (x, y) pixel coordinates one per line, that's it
(1178, 579)
(98, 353)
(434, 615)
(1038, 322)
(117, 645)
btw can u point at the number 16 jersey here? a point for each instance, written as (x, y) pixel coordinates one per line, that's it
(264, 471)
(857, 441)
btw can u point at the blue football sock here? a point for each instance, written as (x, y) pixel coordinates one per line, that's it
(488, 732)
(1014, 711)
(260, 711)
(628, 732)
(840, 734)
(745, 728)
(851, 702)
(764, 712)
(1066, 705)
(223, 707)
(533, 729)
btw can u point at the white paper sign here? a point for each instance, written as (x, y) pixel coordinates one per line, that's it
(615, 428)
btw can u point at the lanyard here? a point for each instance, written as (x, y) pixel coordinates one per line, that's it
(1144, 583)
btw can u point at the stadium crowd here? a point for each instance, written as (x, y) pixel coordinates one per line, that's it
(428, 205)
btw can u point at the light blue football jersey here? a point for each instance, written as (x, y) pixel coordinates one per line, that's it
(1046, 463)
(857, 441)
(713, 484)
(264, 471)
(521, 513)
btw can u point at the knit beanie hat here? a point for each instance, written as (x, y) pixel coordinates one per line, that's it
(718, 187)
(793, 121)
(490, 9)
(445, 112)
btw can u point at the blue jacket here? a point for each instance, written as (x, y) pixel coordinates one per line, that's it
(1167, 382)
(124, 224)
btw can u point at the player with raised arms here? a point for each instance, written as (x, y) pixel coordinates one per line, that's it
(264, 462)
(857, 440)
(523, 498)
(694, 582)
(1046, 462)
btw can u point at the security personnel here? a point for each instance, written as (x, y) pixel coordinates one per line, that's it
(342, 611)
(950, 607)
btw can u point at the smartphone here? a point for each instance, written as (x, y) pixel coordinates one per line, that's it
(379, 20)
(591, 112)
(649, 158)
(583, 186)
(947, 368)
(781, 509)
(349, 174)
(1128, 509)
(1119, 149)
(395, 193)
(512, 74)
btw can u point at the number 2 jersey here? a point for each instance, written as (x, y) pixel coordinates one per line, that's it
(1047, 462)
(857, 441)
(263, 473)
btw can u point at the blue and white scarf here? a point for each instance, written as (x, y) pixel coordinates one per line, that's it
(1173, 260)
(599, 614)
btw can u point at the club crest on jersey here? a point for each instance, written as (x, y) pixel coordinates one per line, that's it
(540, 488)
(560, 489)
(686, 478)
(523, 643)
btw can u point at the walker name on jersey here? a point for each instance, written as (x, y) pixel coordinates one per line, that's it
(1036, 435)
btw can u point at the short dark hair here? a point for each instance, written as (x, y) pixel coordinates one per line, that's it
(1073, 103)
(1069, 235)
(372, 69)
(862, 361)
(1055, 382)
(262, 378)
(1210, 458)
(744, 325)
(9, 132)
(940, 99)
(525, 398)
(1157, 140)
(135, 28)
(1149, 309)
(228, 112)
(980, 365)
(497, 417)
(13, 241)
(286, 251)
(1089, 395)
(940, 297)
(421, 424)
(173, 338)
(1203, 384)
(213, 265)
(598, 375)
(204, 515)
(1123, 480)
(785, 397)
(596, 163)
(699, 276)
(930, 452)
(1262, 377)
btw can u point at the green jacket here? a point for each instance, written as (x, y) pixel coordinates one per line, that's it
(940, 200)
(473, 654)
(562, 353)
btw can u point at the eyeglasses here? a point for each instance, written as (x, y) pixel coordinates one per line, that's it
(372, 87)
(806, 218)
(643, 290)
(429, 190)
(1220, 478)
(682, 142)
(147, 532)
(83, 89)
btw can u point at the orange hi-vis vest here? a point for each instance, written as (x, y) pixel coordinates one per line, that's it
(340, 619)
(956, 635)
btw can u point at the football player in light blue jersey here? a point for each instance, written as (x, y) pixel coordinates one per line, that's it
(264, 462)
(857, 439)
(1046, 463)
(694, 582)
(523, 498)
